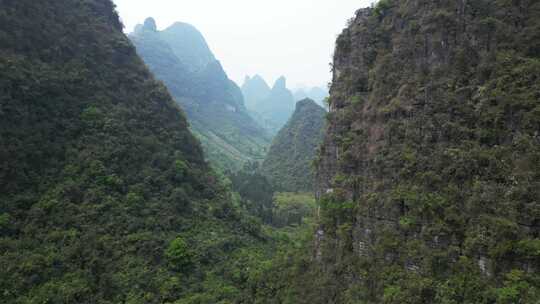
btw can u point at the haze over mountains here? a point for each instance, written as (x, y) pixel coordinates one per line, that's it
(271, 106)
(180, 56)
(133, 170)
(317, 94)
(234, 125)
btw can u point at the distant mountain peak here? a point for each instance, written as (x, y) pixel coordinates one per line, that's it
(317, 94)
(150, 25)
(180, 57)
(281, 83)
(189, 45)
(258, 78)
(182, 25)
(306, 102)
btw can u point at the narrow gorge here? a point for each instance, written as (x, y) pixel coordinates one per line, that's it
(134, 169)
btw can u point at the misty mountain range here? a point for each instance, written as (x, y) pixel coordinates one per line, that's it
(214, 104)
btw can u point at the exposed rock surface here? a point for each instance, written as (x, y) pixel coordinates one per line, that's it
(429, 173)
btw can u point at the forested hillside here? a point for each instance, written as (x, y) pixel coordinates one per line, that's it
(289, 163)
(104, 193)
(180, 57)
(271, 107)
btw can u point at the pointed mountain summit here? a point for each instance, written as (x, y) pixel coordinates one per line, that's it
(288, 164)
(279, 105)
(280, 84)
(271, 106)
(188, 45)
(214, 104)
(149, 25)
(255, 90)
(300, 94)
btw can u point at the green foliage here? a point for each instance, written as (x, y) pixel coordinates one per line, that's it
(430, 166)
(91, 115)
(516, 289)
(382, 7)
(100, 172)
(178, 253)
(288, 164)
(356, 99)
(256, 192)
(5, 221)
(293, 209)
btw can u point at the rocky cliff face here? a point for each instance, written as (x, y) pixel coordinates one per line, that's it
(429, 174)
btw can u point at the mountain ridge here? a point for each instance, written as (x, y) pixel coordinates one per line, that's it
(213, 103)
(105, 194)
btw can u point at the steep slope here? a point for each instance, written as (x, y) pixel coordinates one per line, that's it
(214, 104)
(104, 193)
(429, 173)
(288, 164)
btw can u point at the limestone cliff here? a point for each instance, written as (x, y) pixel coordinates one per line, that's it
(429, 173)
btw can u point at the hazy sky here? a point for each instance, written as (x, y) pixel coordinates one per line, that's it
(294, 38)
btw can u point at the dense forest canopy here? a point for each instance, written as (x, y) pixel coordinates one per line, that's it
(289, 162)
(105, 196)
